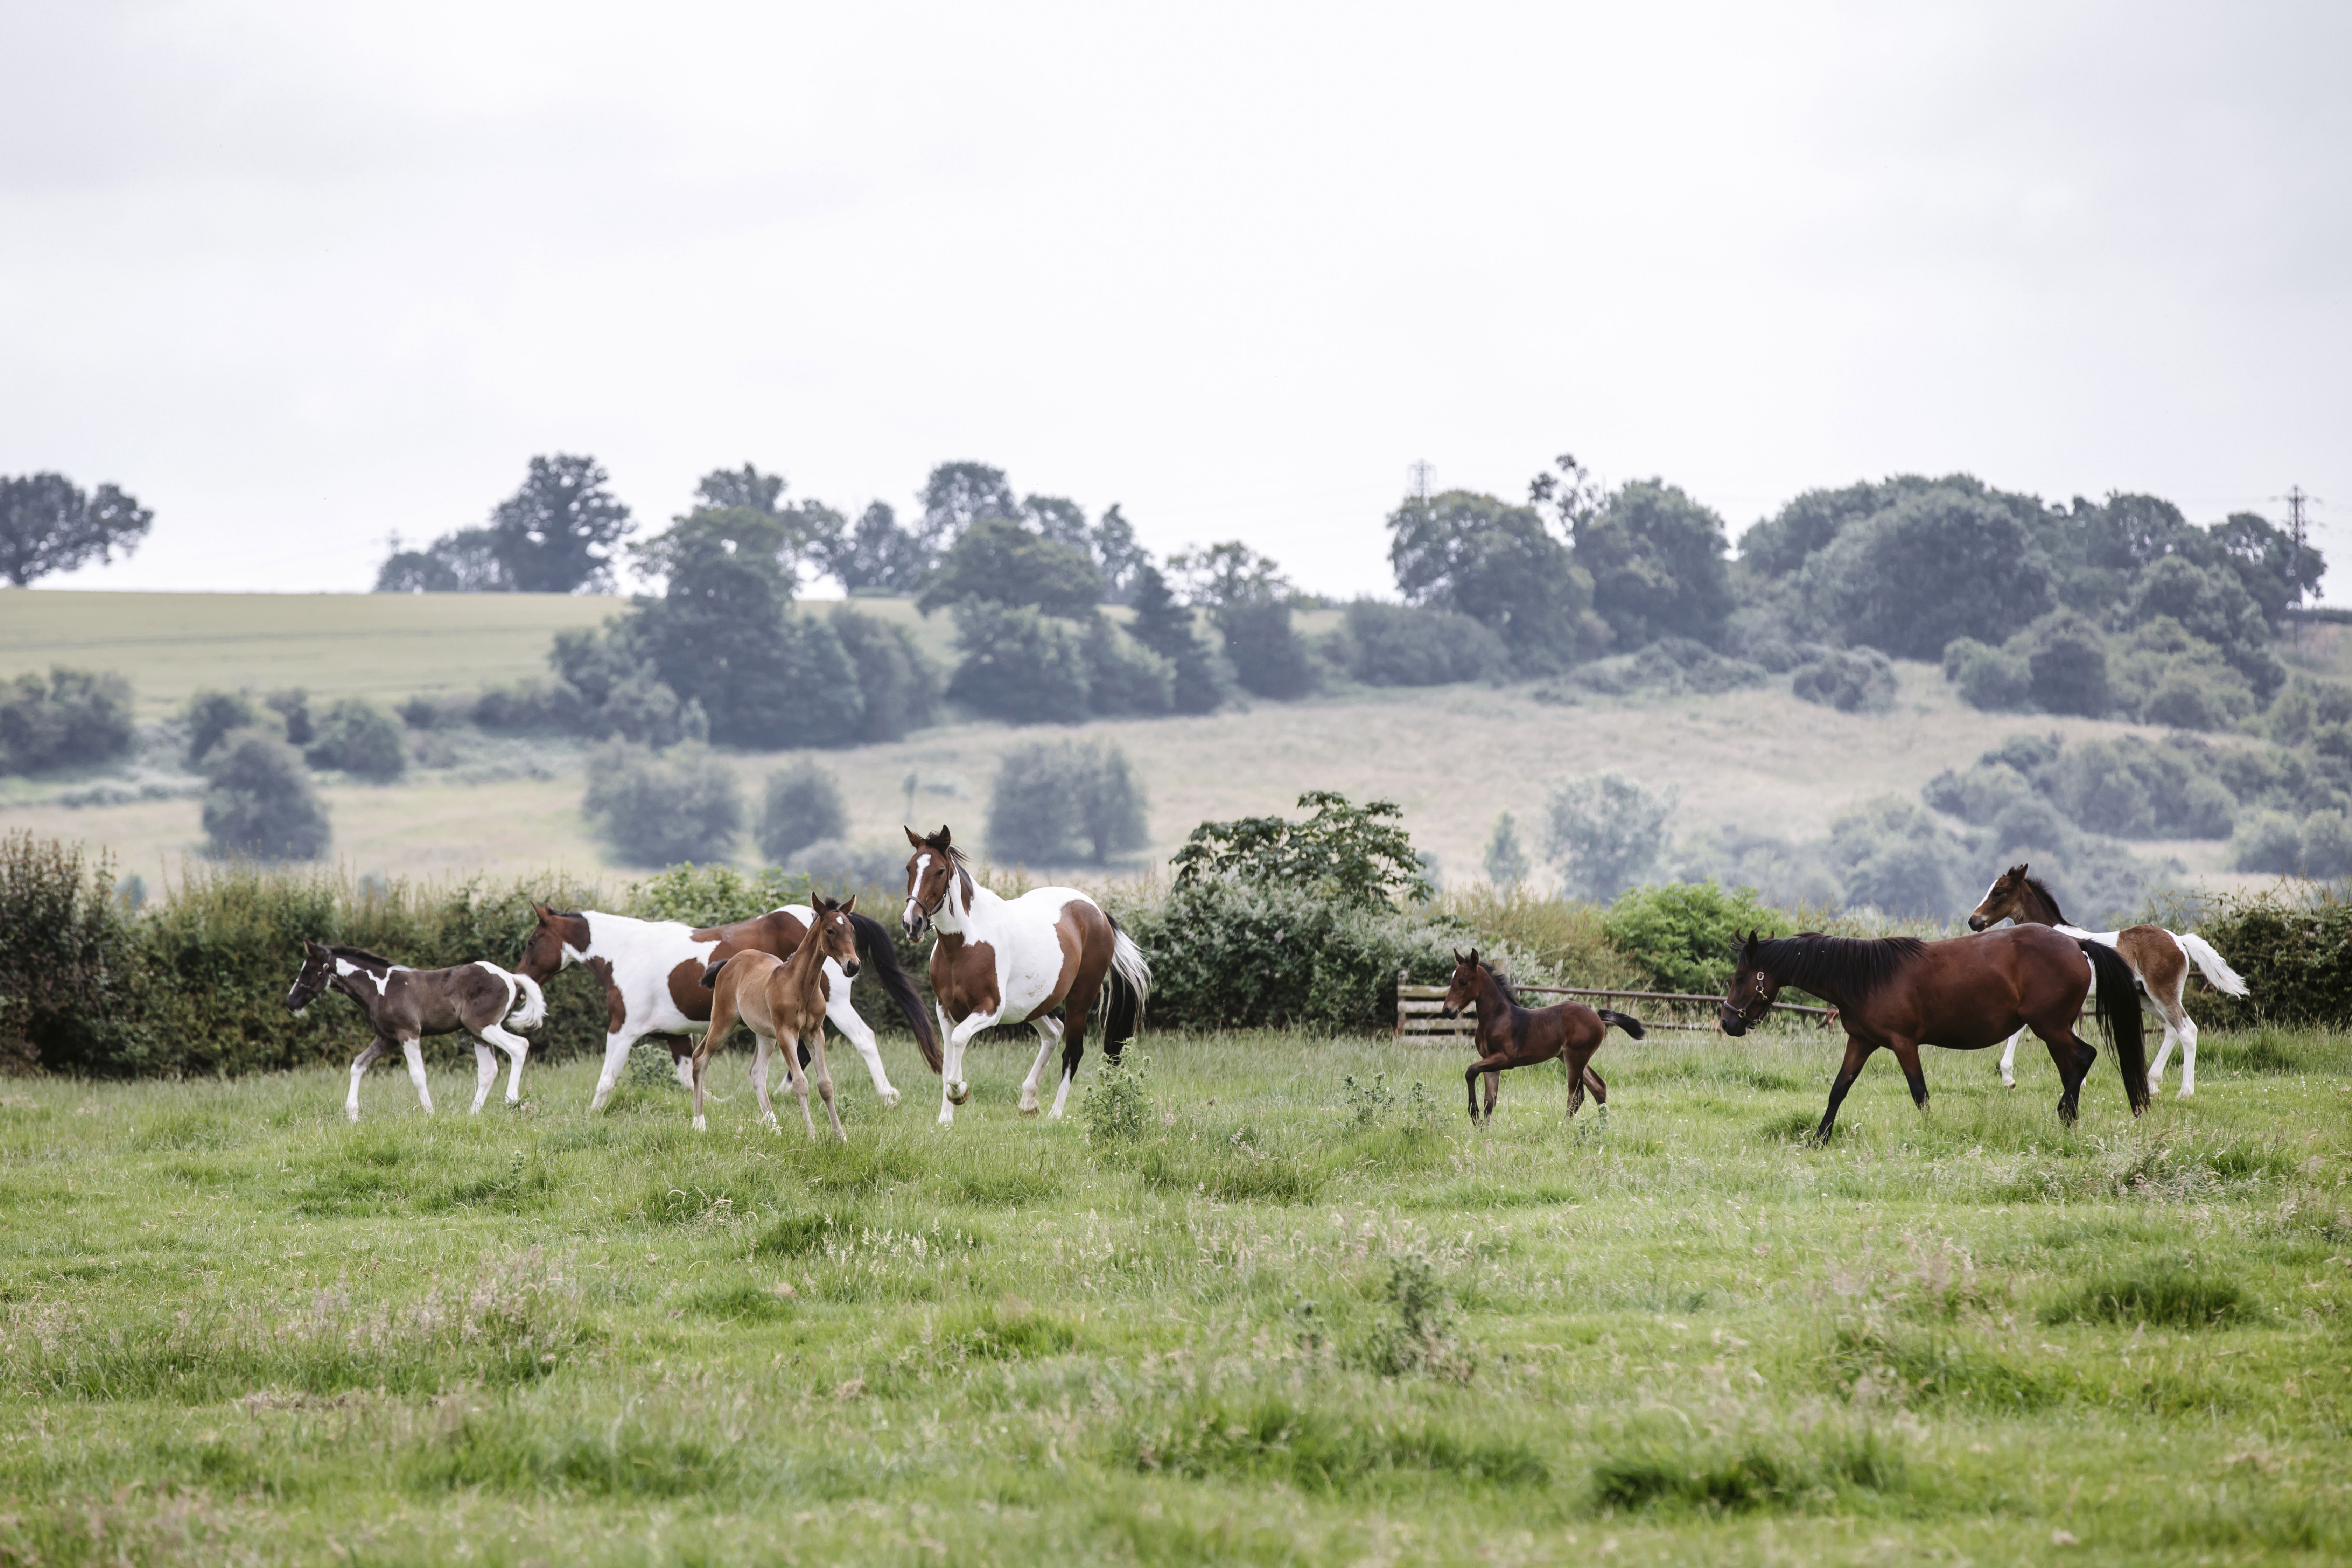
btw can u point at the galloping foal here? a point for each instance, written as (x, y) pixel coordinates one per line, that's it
(1511, 1036)
(783, 1001)
(405, 1004)
(2160, 958)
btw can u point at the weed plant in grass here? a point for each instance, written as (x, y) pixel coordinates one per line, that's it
(1259, 1320)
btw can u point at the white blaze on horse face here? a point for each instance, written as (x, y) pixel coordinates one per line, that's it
(914, 910)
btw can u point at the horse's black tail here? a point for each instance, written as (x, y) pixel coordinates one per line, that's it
(875, 947)
(2119, 1017)
(1632, 1025)
(1127, 989)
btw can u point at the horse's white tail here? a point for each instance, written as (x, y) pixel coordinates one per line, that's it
(2216, 970)
(534, 1012)
(1131, 992)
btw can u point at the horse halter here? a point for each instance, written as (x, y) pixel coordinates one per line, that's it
(1747, 1018)
(310, 983)
(923, 915)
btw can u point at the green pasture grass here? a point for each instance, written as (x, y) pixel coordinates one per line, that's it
(1258, 1319)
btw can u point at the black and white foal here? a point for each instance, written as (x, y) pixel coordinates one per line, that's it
(405, 1004)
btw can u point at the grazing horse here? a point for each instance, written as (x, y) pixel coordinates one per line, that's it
(2159, 958)
(1965, 995)
(652, 973)
(405, 1004)
(1511, 1036)
(1016, 961)
(784, 999)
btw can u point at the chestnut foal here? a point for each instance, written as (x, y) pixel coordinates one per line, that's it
(783, 1001)
(1511, 1036)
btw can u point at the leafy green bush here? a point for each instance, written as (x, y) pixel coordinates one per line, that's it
(802, 805)
(1685, 933)
(260, 803)
(75, 716)
(684, 806)
(210, 715)
(2294, 954)
(1050, 796)
(1991, 678)
(358, 737)
(1852, 680)
(64, 955)
(1397, 645)
(1346, 851)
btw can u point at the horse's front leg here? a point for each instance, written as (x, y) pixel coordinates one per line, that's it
(1049, 1035)
(857, 1032)
(1856, 1053)
(616, 1058)
(413, 1049)
(953, 1088)
(1470, 1082)
(360, 1064)
(1906, 1055)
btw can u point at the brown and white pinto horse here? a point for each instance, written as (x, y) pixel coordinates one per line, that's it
(403, 1006)
(783, 1001)
(1966, 995)
(2160, 958)
(1511, 1036)
(1018, 960)
(652, 973)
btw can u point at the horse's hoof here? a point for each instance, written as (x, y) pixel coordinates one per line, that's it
(1030, 1107)
(957, 1093)
(700, 1126)
(889, 1098)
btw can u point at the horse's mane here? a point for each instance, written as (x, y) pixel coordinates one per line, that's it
(1846, 968)
(2039, 886)
(1503, 984)
(361, 955)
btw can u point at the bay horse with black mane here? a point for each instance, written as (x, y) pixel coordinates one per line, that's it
(2160, 958)
(1511, 1036)
(1969, 993)
(403, 1006)
(652, 974)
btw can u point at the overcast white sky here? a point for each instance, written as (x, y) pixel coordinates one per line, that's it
(301, 275)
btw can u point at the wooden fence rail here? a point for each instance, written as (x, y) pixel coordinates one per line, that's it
(1420, 1008)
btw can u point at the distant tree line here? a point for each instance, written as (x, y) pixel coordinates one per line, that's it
(48, 523)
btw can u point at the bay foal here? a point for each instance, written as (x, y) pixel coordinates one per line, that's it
(1511, 1036)
(403, 1006)
(2160, 959)
(784, 999)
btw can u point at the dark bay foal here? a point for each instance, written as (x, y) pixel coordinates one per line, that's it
(404, 1004)
(1511, 1036)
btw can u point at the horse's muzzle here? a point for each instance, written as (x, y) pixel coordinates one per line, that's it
(1734, 1022)
(849, 969)
(1978, 923)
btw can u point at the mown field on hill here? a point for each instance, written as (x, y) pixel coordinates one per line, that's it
(1285, 1317)
(1453, 756)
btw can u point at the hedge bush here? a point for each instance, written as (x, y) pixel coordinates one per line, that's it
(2294, 953)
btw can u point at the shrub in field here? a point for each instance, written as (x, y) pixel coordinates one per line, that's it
(682, 805)
(1355, 854)
(1050, 797)
(73, 716)
(211, 715)
(2294, 953)
(1685, 933)
(65, 962)
(358, 737)
(802, 805)
(1116, 1107)
(260, 801)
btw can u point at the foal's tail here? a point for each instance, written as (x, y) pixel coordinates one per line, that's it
(875, 947)
(1127, 991)
(1632, 1025)
(2119, 1018)
(2216, 968)
(532, 1011)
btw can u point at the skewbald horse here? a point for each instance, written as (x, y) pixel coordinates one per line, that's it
(2159, 958)
(1018, 960)
(1967, 993)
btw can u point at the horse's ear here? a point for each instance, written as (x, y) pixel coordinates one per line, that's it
(1457, 956)
(315, 948)
(914, 837)
(1473, 958)
(541, 910)
(945, 837)
(2018, 871)
(850, 908)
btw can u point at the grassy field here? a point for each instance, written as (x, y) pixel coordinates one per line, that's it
(1285, 1321)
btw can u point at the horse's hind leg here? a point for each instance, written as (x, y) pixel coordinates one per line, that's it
(413, 1049)
(1074, 1050)
(2009, 1060)
(857, 1032)
(516, 1048)
(1049, 1035)
(2072, 1056)
(790, 1045)
(2178, 1026)
(762, 1048)
(1574, 1062)
(1494, 1093)
(1592, 1081)
(360, 1064)
(485, 1073)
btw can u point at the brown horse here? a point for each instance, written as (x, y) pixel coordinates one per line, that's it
(1511, 1036)
(1966, 995)
(2159, 958)
(783, 1001)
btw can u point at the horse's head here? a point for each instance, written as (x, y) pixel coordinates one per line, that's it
(835, 938)
(931, 872)
(560, 938)
(2000, 900)
(1753, 990)
(318, 968)
(1465, 989)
